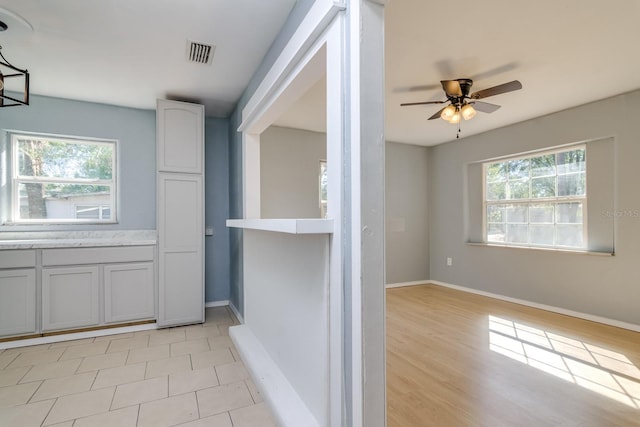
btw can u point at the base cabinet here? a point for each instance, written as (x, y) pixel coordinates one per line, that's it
(70, 297)
(18, 301)
(128, 292)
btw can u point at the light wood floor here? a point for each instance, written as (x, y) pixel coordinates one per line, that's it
(458, 359)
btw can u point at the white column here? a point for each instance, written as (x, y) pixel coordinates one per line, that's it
(364, 215)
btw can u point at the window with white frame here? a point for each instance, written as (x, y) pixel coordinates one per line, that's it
(537, 200)
(323, 188)
(62, 180)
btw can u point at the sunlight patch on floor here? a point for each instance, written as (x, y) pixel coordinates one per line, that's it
(598, 369)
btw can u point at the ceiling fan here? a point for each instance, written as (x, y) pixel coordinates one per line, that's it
(462, 103)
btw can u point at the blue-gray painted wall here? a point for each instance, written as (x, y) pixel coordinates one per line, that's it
(296, 16)
(217, 209)
(135, 130)
(136, 134)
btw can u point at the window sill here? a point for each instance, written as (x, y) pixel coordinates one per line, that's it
(533, 248)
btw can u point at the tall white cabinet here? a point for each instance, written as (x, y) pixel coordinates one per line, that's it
(180, 212)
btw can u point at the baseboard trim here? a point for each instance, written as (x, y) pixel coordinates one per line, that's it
(554, 309)
(403, 284)
(216, 303)
(77, 335)
(236, 313)
(288, 408)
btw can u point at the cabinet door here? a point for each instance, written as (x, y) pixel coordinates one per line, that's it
(70, 297)
(180, 136)
(180, 249)
(128, 292)
(18, 301)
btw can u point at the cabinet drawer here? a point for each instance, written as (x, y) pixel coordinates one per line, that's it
(103, 255)
(17, 259)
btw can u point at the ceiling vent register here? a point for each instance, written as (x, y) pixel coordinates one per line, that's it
(200, 53)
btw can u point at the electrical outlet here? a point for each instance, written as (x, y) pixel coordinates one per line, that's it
(449, 262)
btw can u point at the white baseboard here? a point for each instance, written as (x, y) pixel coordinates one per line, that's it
(288, 408)
(403, 284)
(76, 336)
(216, 303)
(559, 310)
(236, 312)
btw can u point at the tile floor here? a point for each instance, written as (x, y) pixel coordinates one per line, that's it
(187, 376)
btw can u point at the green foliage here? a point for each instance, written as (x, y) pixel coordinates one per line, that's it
(66, 160)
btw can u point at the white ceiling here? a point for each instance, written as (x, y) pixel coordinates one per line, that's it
(129, 53)
(565, 53)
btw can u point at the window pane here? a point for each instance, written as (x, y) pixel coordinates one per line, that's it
(495, 232)
(569, 235)
(519, 189)
(542, 234)
(543, 165)
(63, 159)
(541, 214)
(572, 185)
(495, 214)
(59, 201)
(519, 169)
(517, 214)
(543, 187)
(571, 161)
(569, 213)
(497, 172)
(496, 191)
(517, 233)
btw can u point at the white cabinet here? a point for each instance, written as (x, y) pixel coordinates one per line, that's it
(180, 136)
(181, 249)
(180, 212)
(18, 301)
(79, 284)
(70, 297)
(128, 292)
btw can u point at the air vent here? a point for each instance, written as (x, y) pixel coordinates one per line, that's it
(200, 53)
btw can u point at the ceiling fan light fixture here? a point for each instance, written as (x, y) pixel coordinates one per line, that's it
(456, 117)
(468, 112)
(448, 112)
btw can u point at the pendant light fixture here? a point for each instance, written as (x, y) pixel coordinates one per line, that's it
(11, 74)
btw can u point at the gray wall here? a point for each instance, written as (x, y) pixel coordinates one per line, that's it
(406, 212)
(289, 172)
(134, 129)
(296, 16)
(598, 285)
(216, 189)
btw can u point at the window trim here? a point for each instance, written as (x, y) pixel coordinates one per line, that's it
(16, 180)
(542, 200)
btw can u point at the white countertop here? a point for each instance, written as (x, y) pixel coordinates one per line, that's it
(76, 239)
(291, 226)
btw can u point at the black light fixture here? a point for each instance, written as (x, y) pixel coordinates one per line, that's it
(9, 72)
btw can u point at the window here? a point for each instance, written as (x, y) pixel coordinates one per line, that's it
(62, 180)
(323, 188)
(538, 200)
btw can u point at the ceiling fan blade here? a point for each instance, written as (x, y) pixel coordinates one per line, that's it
(421, 88)
(406, 104)
(451, 88)
(485, 107)
(497, 90)
(437, 115)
